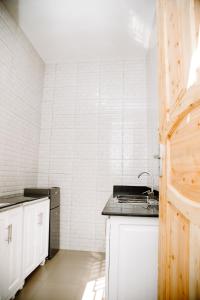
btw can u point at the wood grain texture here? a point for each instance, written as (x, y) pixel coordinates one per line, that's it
(185, 156)
(194, 262)
(178, 24)
(190, 209)
(177, 254)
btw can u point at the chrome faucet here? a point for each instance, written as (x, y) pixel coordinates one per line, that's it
(150, 193)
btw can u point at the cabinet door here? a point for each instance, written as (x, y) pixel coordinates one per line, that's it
(108, 232)
(42, 231)
(29, 240)
(133, 259)
(13, 248)
(35, 235)
(3, 254)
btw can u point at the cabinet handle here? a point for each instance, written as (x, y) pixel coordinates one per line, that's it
(10, 233)
(40, 217)
(9, 228)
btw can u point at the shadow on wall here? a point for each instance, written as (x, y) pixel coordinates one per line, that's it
(13, 8)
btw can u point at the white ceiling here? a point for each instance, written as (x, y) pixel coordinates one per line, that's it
(63, 30)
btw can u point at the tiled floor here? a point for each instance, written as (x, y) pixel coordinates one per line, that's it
(70, 275)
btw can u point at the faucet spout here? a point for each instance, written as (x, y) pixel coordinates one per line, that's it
(152, 181)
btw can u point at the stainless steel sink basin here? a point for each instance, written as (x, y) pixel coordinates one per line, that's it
(136, 199)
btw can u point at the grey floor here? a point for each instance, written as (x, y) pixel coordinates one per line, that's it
(70, 275)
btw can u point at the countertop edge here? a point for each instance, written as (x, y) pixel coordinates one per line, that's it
(21, 203)
(129, 215)
(105, 212)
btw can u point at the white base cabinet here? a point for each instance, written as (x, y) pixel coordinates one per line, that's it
(131, 258)
(24, 232)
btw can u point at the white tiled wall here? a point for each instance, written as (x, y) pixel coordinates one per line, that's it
(152, 107)
(21, 82)
(94, 135)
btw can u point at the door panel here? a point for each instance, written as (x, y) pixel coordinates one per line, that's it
(35, 235)
(185, 156)
(194, 262)
(29, 240)
(178, 23)
(178, 48)
(131, 258)
(42, 230)
(134, 242)
(178, 253)
(13, 251)
(3, 254)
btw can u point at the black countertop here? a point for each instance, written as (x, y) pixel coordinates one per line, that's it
(12, 200)
(114, 208)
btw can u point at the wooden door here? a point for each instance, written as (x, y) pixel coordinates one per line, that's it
(178, 23)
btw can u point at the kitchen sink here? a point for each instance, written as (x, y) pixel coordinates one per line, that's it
(132, 201)
(135, 195)
(136, 199)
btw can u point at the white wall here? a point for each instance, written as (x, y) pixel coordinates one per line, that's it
(93, 136)
(152, 107)
(94, 129)
(21, 82)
